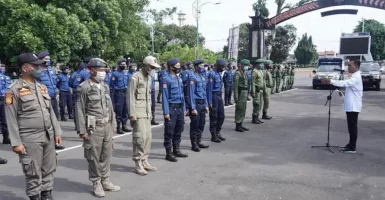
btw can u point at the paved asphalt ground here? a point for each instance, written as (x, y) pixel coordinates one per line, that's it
(272, 161)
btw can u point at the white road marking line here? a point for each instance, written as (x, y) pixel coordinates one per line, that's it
(309, 85)
(126, 134)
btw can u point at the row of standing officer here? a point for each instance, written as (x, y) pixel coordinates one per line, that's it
(196, 95)
(5, 81)
(283, 79)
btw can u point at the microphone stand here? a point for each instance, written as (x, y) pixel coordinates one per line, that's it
(329, 100)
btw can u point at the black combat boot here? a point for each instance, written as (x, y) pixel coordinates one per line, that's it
(220, 136)
(255, 121)
(125, 128)
(63, 118)
(3, 161)
(178, 153)
(200, 144)
(227, 103)
(214, 138)
(153, 122)
(59, 147)
(194, 145)
(70, 116)
(6, 139)
(170, 157)
(265, 116)
(46, 195)
(230, 103)
(244, 128)
(238, 127)
(35, 197)
(119, 130)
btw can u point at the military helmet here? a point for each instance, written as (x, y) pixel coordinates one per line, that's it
(97, 62)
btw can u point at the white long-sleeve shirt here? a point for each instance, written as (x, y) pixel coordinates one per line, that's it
(353, 92)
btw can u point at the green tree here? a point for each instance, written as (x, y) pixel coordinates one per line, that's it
(186, 53)
(305, 52)
(284, 40)
(243, 43)
(377, 32)
(260, 6)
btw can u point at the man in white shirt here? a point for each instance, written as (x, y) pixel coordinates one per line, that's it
(352, 101)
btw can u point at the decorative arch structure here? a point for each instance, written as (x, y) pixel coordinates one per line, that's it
(320, 4)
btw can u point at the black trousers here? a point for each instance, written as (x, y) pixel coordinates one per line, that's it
(352, 118)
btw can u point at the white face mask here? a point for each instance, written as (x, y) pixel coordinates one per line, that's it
(100, 76)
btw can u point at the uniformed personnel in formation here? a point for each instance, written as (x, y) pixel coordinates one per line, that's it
(161, 74)
(96, 125)
(174, 110)
(257, 87)
(228, 78)
(33, 127)
(119, 84)
(197, 100)
(5, 81)
(278, 78)
(215, 101)
(65, 93)
(274, 77)
(241, 88)
(267, 92)
(292, 77)
(139, 110)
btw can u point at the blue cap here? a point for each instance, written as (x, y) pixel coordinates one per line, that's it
(42, 54)
(198, 62)
(172, 61)
(221, 62)
(82, 66)
(121, 60)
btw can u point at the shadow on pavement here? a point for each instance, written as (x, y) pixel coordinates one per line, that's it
(7, 195)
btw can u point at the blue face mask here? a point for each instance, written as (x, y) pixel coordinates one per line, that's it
(2, 71)
(245, 68)
(132, 70)
(48, 63)
(202, 69)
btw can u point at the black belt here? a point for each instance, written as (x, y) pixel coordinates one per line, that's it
(64, 91)
(200, 102)
(121, 90)
(217, 93)
(243, 88)
(175, 105)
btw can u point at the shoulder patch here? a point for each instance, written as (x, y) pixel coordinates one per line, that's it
(8, 98)
(43, 90)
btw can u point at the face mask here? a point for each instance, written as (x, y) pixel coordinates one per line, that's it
(2, 71)
(122, 67)
(176, 70)
(35, 73)
(220, 69)
(47, 63)
(100, 76)
(132, 70)
(202, 69)
(245, 68)
(206, 68)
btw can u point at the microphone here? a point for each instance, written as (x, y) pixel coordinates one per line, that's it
(339, 70)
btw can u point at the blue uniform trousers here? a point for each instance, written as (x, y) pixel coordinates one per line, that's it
(65, 99)
(3, 122)
(153, 104)
(54, 106)
(173, 127)
(217, 113)
(73, 104)
(120, 106)
(228, 92)
(197, 124)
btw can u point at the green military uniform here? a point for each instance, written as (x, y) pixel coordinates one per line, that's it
(284, 79)
(292, 77)
(287, 78)
(32, 123)
(257, 86)
(266, 93)
(240, 95)
(273, 76)
(139, 101)
(96, 118)
(278, 79)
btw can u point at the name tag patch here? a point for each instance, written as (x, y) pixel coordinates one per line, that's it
(24, 91)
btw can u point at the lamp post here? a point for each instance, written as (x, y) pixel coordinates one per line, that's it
(197, 7)
(152, 34)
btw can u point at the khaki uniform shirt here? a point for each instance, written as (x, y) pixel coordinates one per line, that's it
(93, 101)
(30, 116)
(269, 79)
(139, 96)
(257, 81)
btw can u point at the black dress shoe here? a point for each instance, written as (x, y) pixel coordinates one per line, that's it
(46, 195)
(171, 157)
(244, 128)
(35, 197)
(154, 123)
(220, 137)
(3, 161)
(125, 129)
(6, 140)
(70, 116)
(59, 147)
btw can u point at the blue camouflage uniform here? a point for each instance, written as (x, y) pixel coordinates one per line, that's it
(5, 81)
(119, 84)
(228, 82)
(76, 79)
(153, 99)
(161, 74)
(184, 75)
(214, 98)
(108, 78)
(197, 100)
(48, 78)
(65, 95)
(173, 104)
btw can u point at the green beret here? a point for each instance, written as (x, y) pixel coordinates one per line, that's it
(245, 62)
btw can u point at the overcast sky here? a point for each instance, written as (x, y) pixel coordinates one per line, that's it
(216, 20)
